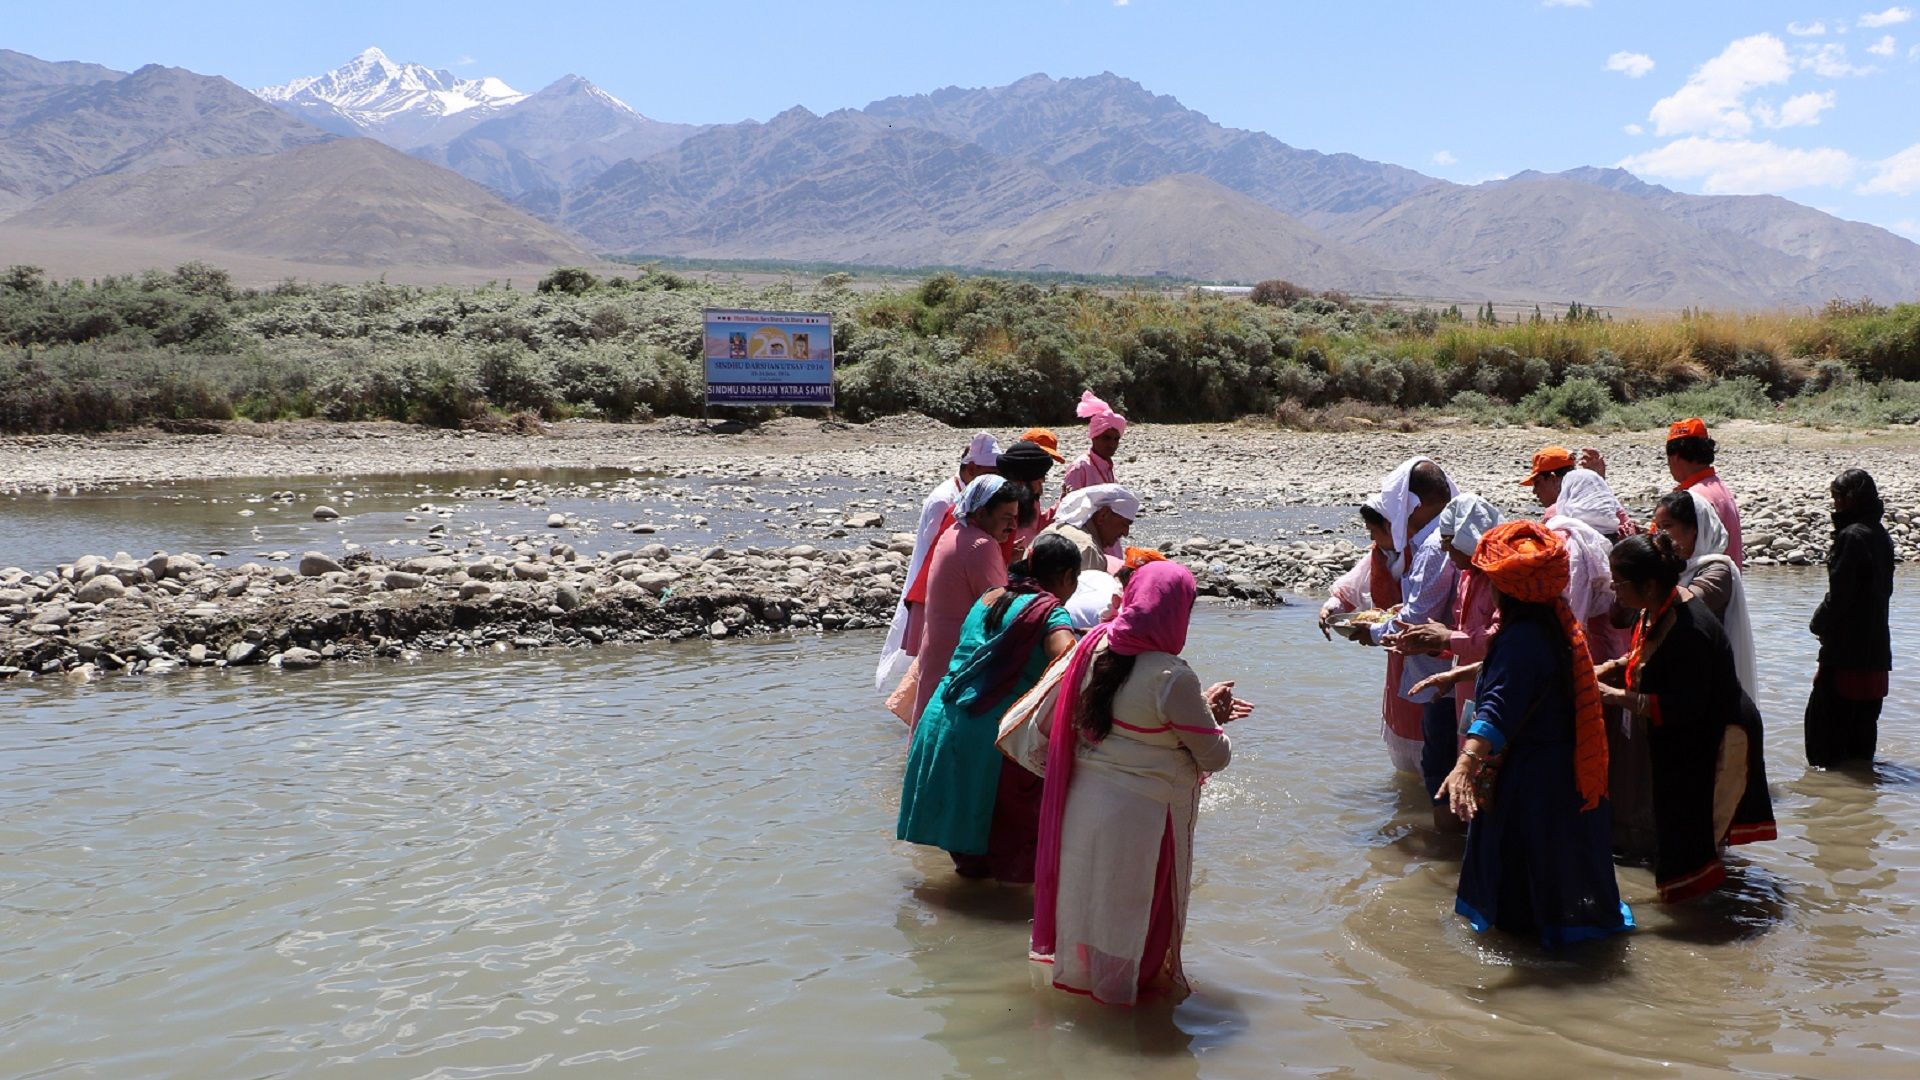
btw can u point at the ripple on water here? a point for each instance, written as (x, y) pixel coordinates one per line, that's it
(681, 858)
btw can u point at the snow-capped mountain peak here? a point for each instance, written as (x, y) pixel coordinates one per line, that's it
(398, 103)
(575, 87)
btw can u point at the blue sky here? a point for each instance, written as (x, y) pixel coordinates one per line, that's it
(1811, 100)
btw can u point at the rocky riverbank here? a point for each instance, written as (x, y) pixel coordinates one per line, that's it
(790, 528)
(120, 614)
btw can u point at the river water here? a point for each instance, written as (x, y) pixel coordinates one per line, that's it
(398, 515)
(678, 861)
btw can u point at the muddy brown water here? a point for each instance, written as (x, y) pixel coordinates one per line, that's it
(678, 861)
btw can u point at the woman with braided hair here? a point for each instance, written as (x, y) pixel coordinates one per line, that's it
(1532, 778)
(958, 792)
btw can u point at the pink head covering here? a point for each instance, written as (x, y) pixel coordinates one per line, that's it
(1154, 612)
(1099, 415)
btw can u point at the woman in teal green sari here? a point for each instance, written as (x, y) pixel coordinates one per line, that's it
(959, 792)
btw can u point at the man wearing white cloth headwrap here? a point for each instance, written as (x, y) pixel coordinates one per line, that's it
(1096, 519)
(936, 516)
(1416, 569)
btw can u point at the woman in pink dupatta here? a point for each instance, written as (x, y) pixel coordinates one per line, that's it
(1132, 736)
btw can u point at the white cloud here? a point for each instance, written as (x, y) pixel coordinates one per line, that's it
(1566, 3)
(1884, 47)
(1801, 110)
(1908, 226)
(1811, 29)
(1631, 64)
(1830, 61)
(1897, 175)
(1121, 3)
(465, 61)
(1893, 16)
(1444, 157)
(1713, 100)
(1634, 129)
(1745, 167)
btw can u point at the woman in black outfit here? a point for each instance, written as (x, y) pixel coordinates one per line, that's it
(1705, 742)
(1856, 646)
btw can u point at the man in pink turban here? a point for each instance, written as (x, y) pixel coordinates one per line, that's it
(1104, 427)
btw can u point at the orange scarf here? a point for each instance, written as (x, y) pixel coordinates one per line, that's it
(1528, 561)
(1707, 473)
(1643, 630)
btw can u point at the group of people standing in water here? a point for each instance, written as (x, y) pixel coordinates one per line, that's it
(1058, 739)
(1573, 689)
(1576, 689)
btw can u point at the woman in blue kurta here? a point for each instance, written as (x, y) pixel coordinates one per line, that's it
(959, 792)
(1532, 779)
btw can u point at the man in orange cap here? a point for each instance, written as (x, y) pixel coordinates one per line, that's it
(1045, 439)
(1690, 460)
(1550, 466)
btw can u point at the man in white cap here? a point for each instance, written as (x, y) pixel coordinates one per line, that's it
(1097, 519)
(936, 514)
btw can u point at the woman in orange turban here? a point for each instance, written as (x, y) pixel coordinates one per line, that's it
(1532, 778)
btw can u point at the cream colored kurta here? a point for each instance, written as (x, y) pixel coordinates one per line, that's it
(1091, 557)
(1131, 791)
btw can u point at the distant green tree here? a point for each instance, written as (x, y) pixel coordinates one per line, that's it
(572, 280)
(203, 279)
(22, 278)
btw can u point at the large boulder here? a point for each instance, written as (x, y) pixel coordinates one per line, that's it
(100, 589)
(316, 563)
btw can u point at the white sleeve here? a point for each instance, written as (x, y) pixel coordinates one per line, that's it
(1352, 590)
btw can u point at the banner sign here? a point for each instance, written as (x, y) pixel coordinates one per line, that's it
(769, 358)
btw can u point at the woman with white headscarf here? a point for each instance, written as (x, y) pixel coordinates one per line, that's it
(1586, 497)
(966, 563)
(936, 516)
(1475, 615)
(1700, 537)
(1589, 581)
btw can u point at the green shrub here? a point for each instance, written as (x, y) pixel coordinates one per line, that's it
(573, 280)
(1577, 402)
(969, 350)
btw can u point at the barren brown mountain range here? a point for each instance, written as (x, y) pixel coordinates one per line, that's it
(1094, 175)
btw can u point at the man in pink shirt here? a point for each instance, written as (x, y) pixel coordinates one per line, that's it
(1104, 428)
(1690, 460)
